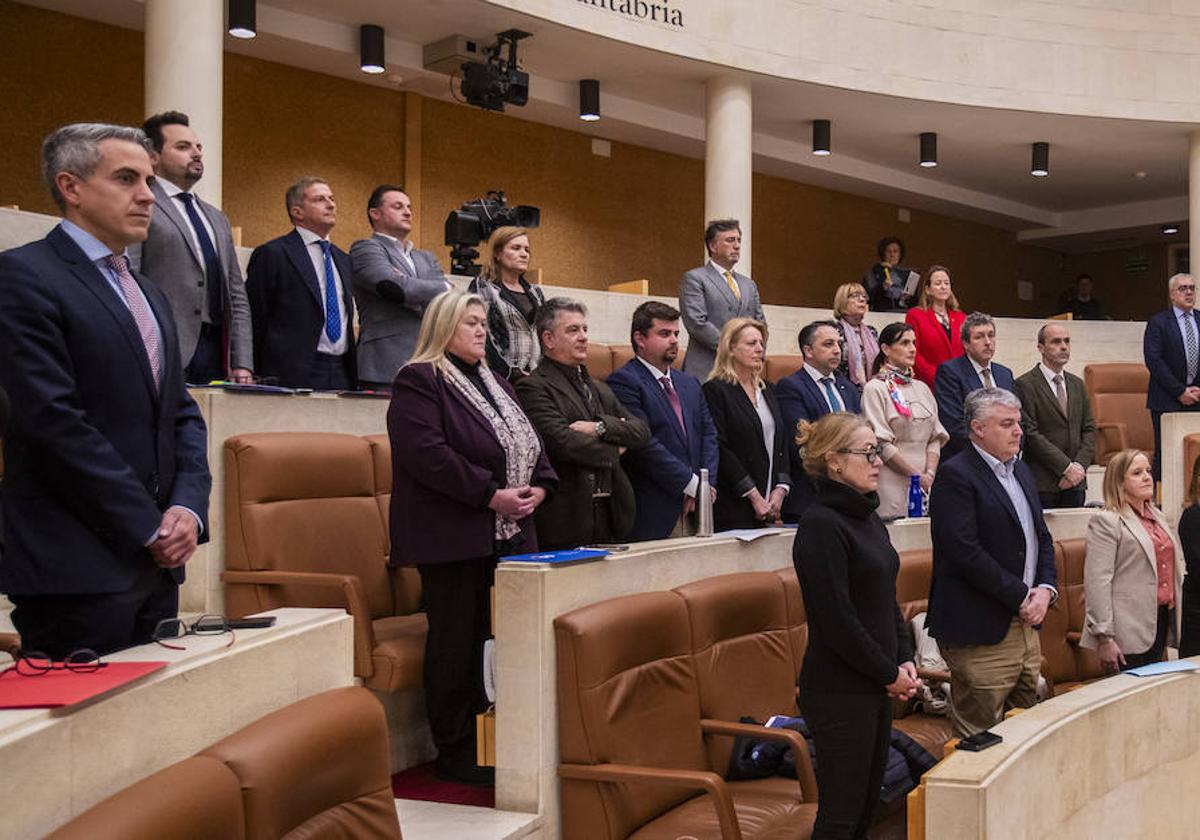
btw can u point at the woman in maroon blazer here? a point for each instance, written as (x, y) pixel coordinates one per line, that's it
(468, 471)
(937, 323)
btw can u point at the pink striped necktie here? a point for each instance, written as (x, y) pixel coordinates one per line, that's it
(140, 310)
(673, 399)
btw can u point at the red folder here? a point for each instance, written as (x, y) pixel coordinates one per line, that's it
(61, 687)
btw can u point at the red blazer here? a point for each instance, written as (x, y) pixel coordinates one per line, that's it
(933, 348)
(445, 459)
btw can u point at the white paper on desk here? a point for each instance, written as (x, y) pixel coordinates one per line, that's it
(1169, 667)
(748, 534)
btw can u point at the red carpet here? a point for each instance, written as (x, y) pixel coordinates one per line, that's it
(421, 783)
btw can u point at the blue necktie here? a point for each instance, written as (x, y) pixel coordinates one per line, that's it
(212, 265)
(333, 320)
(834, 403)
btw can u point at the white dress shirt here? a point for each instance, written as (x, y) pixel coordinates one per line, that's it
(817, 376)
(317, 255)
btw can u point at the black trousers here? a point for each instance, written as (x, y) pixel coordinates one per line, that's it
(1156, 651)
(330, 373)
(58, 625)
(851, 734)
(458, 606)
(1074, 497)
(208, 362)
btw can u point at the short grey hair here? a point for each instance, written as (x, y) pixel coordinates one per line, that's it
(294, 196)
(980, 402)
(546, 318)
(975, 319)
(1183, 275)
(75, 148)
(1041, 336)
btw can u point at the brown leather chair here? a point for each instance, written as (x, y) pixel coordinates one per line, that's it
(317, 768)
(1070, 558)
(631, 737)
(797, 619)
(1191, 451)
(599, 360)
(306, 526)
(781, 365)
(196, 799)
(1117, 393)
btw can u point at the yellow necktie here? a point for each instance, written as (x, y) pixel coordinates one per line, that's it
(733, 286)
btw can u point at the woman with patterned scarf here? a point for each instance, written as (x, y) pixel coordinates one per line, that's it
(512, 343)
(903, 413)
(468, 471)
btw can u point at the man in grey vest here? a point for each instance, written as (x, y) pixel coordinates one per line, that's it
(392, 282)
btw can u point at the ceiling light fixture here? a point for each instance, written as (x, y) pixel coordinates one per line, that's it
(820, 139)
(370, 48)
(589, 100)
(242, 19)
(1040, 166)
(929, 149)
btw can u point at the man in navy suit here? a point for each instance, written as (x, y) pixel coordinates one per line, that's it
(665, 473)
(1171, 346)
(106, 483)
(961, 375)
(300, 298)
(993, 567)
(808, 394)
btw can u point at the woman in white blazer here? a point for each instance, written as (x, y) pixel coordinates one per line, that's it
(1133, 576)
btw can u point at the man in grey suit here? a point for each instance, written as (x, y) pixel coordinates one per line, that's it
(1060, 437)
(190, 255)
(393, 282)
(714, 293)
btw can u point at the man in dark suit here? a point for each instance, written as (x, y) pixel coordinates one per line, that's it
(960, 376)
(665, 473)
(993, 567)
(809, 394)
(1060, 437)
(300, 298)
(106, 479)
(1171, 346)
(190, 255)
(585, 430)
(713, 293)
(393, 282)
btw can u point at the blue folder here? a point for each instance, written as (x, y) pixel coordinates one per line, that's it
(559, 558)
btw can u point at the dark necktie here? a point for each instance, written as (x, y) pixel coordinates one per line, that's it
(835, 404)
(986, 373)
(673, 399)
(212, 264)
(333, 319)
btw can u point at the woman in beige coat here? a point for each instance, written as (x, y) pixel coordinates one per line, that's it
(1133, 577)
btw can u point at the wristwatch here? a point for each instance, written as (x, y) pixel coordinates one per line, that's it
(601, 428)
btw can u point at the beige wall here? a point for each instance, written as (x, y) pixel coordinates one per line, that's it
(638, 213)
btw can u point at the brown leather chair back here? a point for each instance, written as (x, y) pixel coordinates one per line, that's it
(1073, 554)
(740, 638)
(317, 768)
(1117, 392)
(196, 799)
(406, 580)
(1058, 654)
(784, 364)
(797, 619)
(912, 582)
(599, 360)
(1191, 451)
(627, 693)
(303, 502)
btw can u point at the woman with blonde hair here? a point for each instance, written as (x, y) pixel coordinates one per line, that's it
(859, 655)
(1133, 577)
(512, 303)
(468, 471)
(860, 341)
(752, 476)
(1189, 538)
(937, 323)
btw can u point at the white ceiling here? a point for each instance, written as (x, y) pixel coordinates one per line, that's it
(657, 100)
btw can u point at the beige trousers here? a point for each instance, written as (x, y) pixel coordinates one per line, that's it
(988, 680)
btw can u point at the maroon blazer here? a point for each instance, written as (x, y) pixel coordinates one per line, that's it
(446, 461)
(933, 347)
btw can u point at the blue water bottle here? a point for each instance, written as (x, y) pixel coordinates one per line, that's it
(915, 506)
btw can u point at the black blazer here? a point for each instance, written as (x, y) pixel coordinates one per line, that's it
(287, 309)
(744, 461)
(857, 637)
(94, 453)
(1189, 538)
(979, 551)
(552, 404)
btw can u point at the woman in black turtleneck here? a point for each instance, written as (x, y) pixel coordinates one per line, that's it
(468, 471)
(859, 653)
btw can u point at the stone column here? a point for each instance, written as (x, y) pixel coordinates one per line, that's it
(727, 157)
(1194, 198)
(185, 42)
